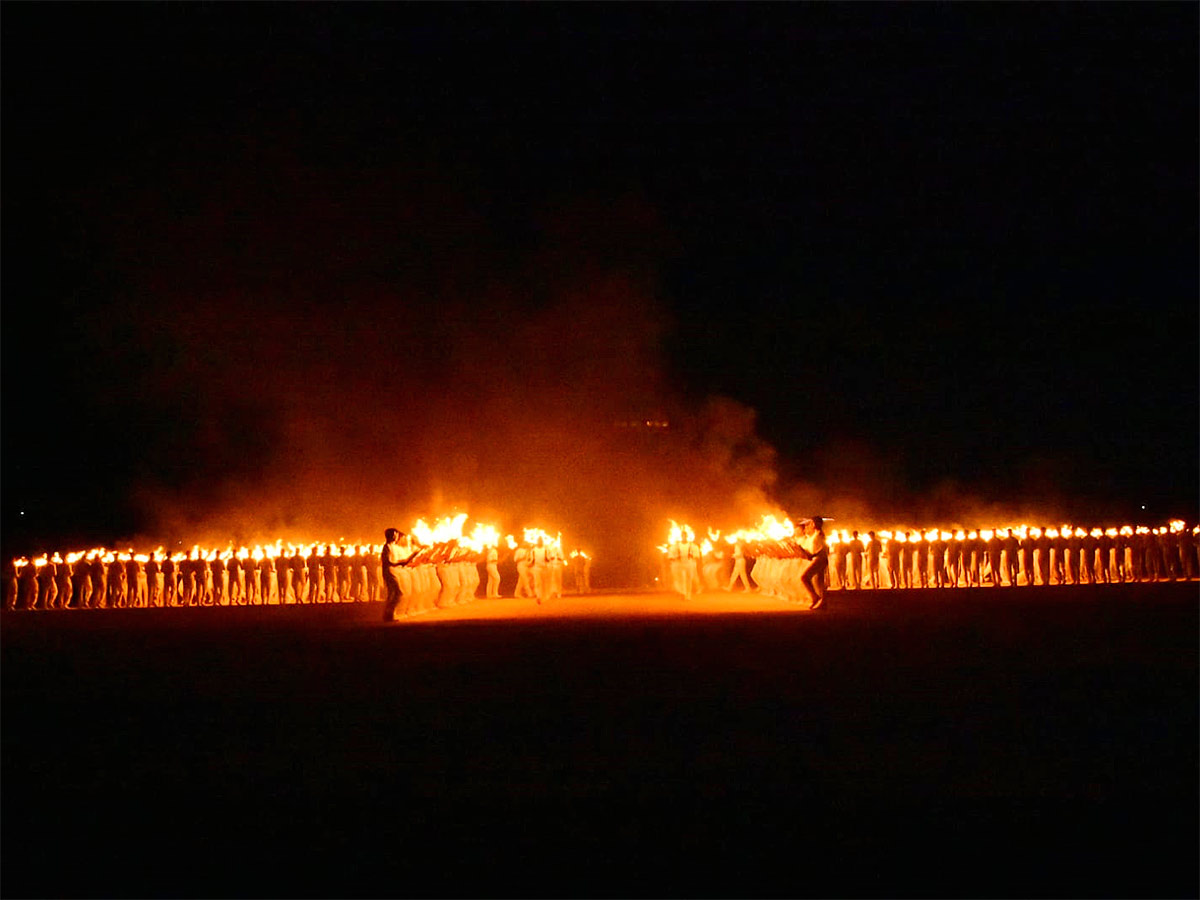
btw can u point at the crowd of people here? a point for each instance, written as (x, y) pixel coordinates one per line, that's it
(431, 576)
(414, 575)
(417, 579)
(781, 562)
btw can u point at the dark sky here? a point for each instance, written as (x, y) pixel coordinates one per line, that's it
(333, 259)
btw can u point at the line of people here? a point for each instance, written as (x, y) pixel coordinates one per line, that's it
(788, 568)
(418, 579)
(436, 577)
(932, 559)
(1009, 557)
(103, 579)
(994, 558)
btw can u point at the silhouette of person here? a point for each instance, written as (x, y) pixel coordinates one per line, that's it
(1027, 544)
(919, 548)
(154, 579)
(65, 569)
(892, 551)
(1011, 546)
(955, 561)
(47, 588)
(1187, 553)
(973, 556)
(684, 555)
(299, 566)
(492, 560)
(374, 569)
(739, 568)
(118, 584)
(28, 585)
(100, 580)
(995, 549)
(139, 580)
(12, 583)
(555, 571)
(874, 551)
(813, 547)
(841, 554)
(937, 553)
(329, 567)
(523, 560)
(216, 580)
(391, 560)
(854, 550)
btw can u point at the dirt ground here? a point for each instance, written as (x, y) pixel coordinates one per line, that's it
(994, 742)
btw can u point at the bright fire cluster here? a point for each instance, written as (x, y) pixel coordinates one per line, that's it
(772, 530)
(277, 572)
(936, 556)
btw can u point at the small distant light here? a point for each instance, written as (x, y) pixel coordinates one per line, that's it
(1143, 507)
(22, 512)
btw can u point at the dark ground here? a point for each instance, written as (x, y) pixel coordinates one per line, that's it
(992, 743)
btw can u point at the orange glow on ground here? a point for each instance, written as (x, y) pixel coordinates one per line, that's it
(607, 606)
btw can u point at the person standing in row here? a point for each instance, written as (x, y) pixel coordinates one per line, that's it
(1187, 553)
(65, 570)
(1027, 545)
(841, 561)
(579, 570)
(919, 548)
(492, 564)
(539, 558)
(906, 551)
(524, 579)
(994, 547)
(684, 557)
(937, 553)
(874, 551)
(854, 569)
(739, 568)
(82, 579)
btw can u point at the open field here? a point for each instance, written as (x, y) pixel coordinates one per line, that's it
(1011, 742)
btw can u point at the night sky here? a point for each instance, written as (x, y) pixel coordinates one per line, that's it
(292, 265)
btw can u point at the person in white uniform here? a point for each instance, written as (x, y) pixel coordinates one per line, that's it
(391, 560)
(493, 572)
(739, 568)
(540, 564)
(813, 547)
(524, 576)
(685, 569)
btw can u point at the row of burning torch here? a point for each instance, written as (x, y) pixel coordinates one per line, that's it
(345, 572)
(1169, 550)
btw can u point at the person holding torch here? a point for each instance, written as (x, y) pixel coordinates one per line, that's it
(391, 560)
(813, 547)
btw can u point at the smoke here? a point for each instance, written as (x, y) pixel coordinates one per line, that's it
(861, 487)
(300, 352)
(325, 354)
